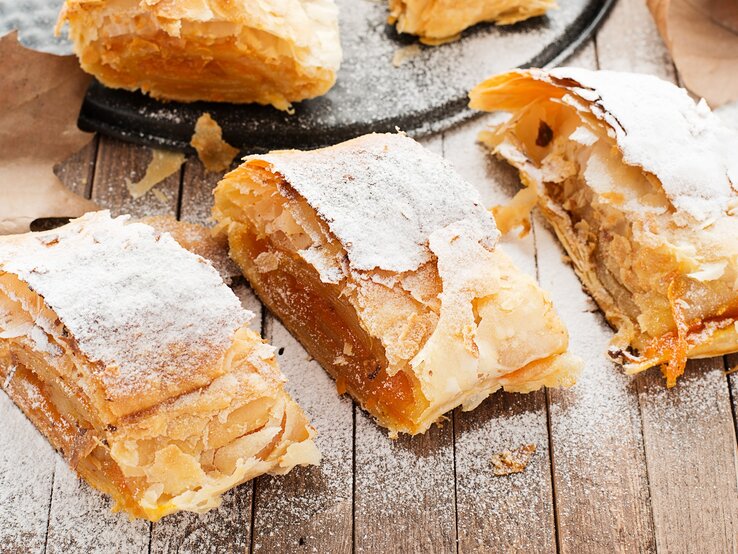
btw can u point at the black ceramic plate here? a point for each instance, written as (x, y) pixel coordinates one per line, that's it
(427, 93)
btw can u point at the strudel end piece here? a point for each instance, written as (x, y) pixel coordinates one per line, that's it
(639, 183)
(130, 354)
(270, 52)
(382, 261)
(439, 21)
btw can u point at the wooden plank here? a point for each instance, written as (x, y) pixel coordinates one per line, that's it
(197, 192)
(600, 476)
(310, 508)
(689, 433)
(120, 162)
(227, 528)
(600, 480)
(77, 171)
(27, 461)
(692, 459)
(731, 364)
(224, 529)
(404, 498)
(26, 478)
(515, 512)
(80, 518)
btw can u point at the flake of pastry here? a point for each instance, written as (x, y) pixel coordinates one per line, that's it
(214, 152)
(163, 164)
(639, 183)
(132, 356)
(439, 21)
(269, 52)
(382, 261)
(513, 461)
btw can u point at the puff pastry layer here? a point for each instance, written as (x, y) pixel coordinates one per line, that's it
(438, 21)
(271, 52)
(132, 357)
(639, 183)
(382, 261)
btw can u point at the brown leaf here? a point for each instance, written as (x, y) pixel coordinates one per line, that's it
(702, 36)
(40, 97)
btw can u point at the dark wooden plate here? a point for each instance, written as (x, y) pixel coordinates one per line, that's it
(426, 94)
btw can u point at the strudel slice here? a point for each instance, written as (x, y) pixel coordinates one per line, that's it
(439, 21)
(132, 356)
(383, 262)
(639, 183)
(271, 51)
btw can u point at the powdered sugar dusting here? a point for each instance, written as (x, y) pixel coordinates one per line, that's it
(309, 510)
(492, 510)
(133, 299)
(661, 129)
(404, 498)
(381, 195)
(87, 524)
(27, 463)
(595, 430)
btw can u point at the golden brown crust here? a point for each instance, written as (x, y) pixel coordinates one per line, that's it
(266, 52)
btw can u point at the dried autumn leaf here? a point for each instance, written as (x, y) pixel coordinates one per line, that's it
(40, 96)
(702, 36)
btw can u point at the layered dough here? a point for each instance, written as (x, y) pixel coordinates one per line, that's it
(639, 183)
(132, 357)
(438, 21)
(382, 261)
(270, 52)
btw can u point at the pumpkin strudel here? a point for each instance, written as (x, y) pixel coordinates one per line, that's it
(383, 262)
(132, 356)
(640, 184)
(439, 21)
(270, 52)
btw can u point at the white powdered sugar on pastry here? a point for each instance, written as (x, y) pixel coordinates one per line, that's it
(133, 299)
(659, 128)
(381, 213)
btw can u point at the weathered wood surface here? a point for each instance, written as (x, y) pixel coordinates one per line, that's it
(689, 438)
(621, 463)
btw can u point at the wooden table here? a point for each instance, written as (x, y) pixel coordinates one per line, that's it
(622, 464)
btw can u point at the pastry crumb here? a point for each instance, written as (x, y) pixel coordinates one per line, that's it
(163, 163)
(512, 461)
(405, 54)
(516, 213)
(215, 153)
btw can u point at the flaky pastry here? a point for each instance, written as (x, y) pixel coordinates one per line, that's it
(131, 355)
(439, 21)
(639, 183)
(271, 52)
(382, 261)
